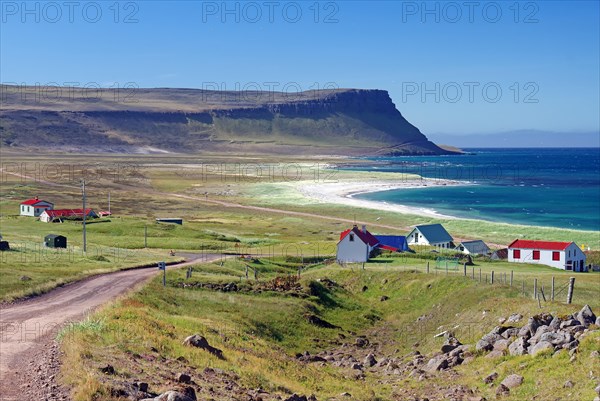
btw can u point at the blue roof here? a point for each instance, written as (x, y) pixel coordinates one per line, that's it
(434, 233)
(394, 241)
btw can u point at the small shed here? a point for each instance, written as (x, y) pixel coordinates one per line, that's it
(171, 220)
(4, 246)
(55, 241)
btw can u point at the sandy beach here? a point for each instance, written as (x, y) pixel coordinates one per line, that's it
(344, 193)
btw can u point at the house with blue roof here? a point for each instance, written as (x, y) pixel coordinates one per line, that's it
(432, 235)
(394, 243)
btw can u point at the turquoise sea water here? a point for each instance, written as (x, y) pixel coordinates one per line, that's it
(543, 187)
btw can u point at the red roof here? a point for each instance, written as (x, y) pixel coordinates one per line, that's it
(365, 236)
(68, 212)
(546, 245)
(34, 201)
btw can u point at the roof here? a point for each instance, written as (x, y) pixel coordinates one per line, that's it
(434, 233)
(34, 201)
(545, 245)
(473, 245)
(501, 253)
(365, 236)
(392, 242)
(68, 212)
(54, 236)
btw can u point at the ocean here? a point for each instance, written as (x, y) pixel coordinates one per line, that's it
(542, 187)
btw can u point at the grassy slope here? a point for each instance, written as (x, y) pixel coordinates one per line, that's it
(260, 333)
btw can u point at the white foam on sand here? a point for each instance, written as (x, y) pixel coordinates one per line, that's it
(343, 193)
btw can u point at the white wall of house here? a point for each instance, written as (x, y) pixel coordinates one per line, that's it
(45, 217)
(352, 249)
(34, 210)
(416, 238)
(571, 254)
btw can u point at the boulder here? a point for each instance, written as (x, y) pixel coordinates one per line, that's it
(540, 346)
(557, 339)
(188, 394)
(296, 397)
(483, 345)
(511, 332)
(555, 324)
(198, 341)
(502, 390)
(598, 321)
(514, 318)
(569, 323)
(501, 345)
(586, 316)
(541, 330)
(437, 363)
(370, 360)
(490, 378)
(518, 347)
(512, 381)
(184, 378)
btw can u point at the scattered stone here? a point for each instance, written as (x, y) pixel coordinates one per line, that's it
(25, 278)
(518, 347)
(184, 378)
(541, 346)
(586, 316)
(512, 381)
(490, 378)
(502, 390)
(198, 341)
(370, 360)
(188, 394)
(365, 288)
(108, 369)
(514, 318)
(437, 363)
(296, 397)
(361, 342)
(568, 384)
(384, 298)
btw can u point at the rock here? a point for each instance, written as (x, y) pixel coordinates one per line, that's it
(569, 323)
(568, 384)
(296, 397)
(490, 378)
(518, 347)
(384, 298)
(598, 321)
(141, 386)
(555, 324)
(370, 360)
(597, 389)
(199, 341)
(539, 347)
(594, 354)
(25, 278)
(183, 378)
(436, 363)
(365, 288)
(483, 345)
(501, 345)
(541, 330)
(495, 354)
(108, 369)
(512, 381)
(509, 333)
(361, 342)
(556, 338)
(356, 366)
(502, 390)
(514, 318)
(447, 348)
(586, 316)
(188, 394)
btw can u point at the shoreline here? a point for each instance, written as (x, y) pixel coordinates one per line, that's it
(343, 193)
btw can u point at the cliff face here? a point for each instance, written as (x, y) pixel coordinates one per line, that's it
(348, 122)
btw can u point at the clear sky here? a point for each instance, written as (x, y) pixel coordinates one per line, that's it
(453, 67)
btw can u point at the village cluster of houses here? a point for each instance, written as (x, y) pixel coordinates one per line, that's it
(357, 245)
(45, 211)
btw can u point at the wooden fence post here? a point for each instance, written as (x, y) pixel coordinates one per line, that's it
(511, 277)
(473, 273)
(446, 268)
(465, 269)
(552, 294)
(246, 272)
(255, 274)
(427, 267)
(523, 287)
(534, 288)
(492, 278)
(480, 274)
(571, 289)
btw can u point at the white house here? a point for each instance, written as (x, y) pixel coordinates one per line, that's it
(35, 207)
(355, 245)
(477, 247)
(431, 234)
(561, 255)
(58, 215)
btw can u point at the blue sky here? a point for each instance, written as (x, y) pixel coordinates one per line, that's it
(449, 67)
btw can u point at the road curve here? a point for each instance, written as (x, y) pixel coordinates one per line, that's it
(27, 327)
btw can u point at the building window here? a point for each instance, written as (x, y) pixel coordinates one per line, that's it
(351, 237)
(516, 254)
(536, 255)
(555, 255)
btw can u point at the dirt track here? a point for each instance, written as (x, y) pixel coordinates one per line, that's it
(28, 329)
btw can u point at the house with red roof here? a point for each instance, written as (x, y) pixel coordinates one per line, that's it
(58, 215)
(34, 207)
(561, 255)
(355, 245)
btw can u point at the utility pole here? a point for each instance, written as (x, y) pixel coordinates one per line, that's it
(109, 202)
(84, 238)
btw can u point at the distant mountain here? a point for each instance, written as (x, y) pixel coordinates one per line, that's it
(521, 139)
(340, 122)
